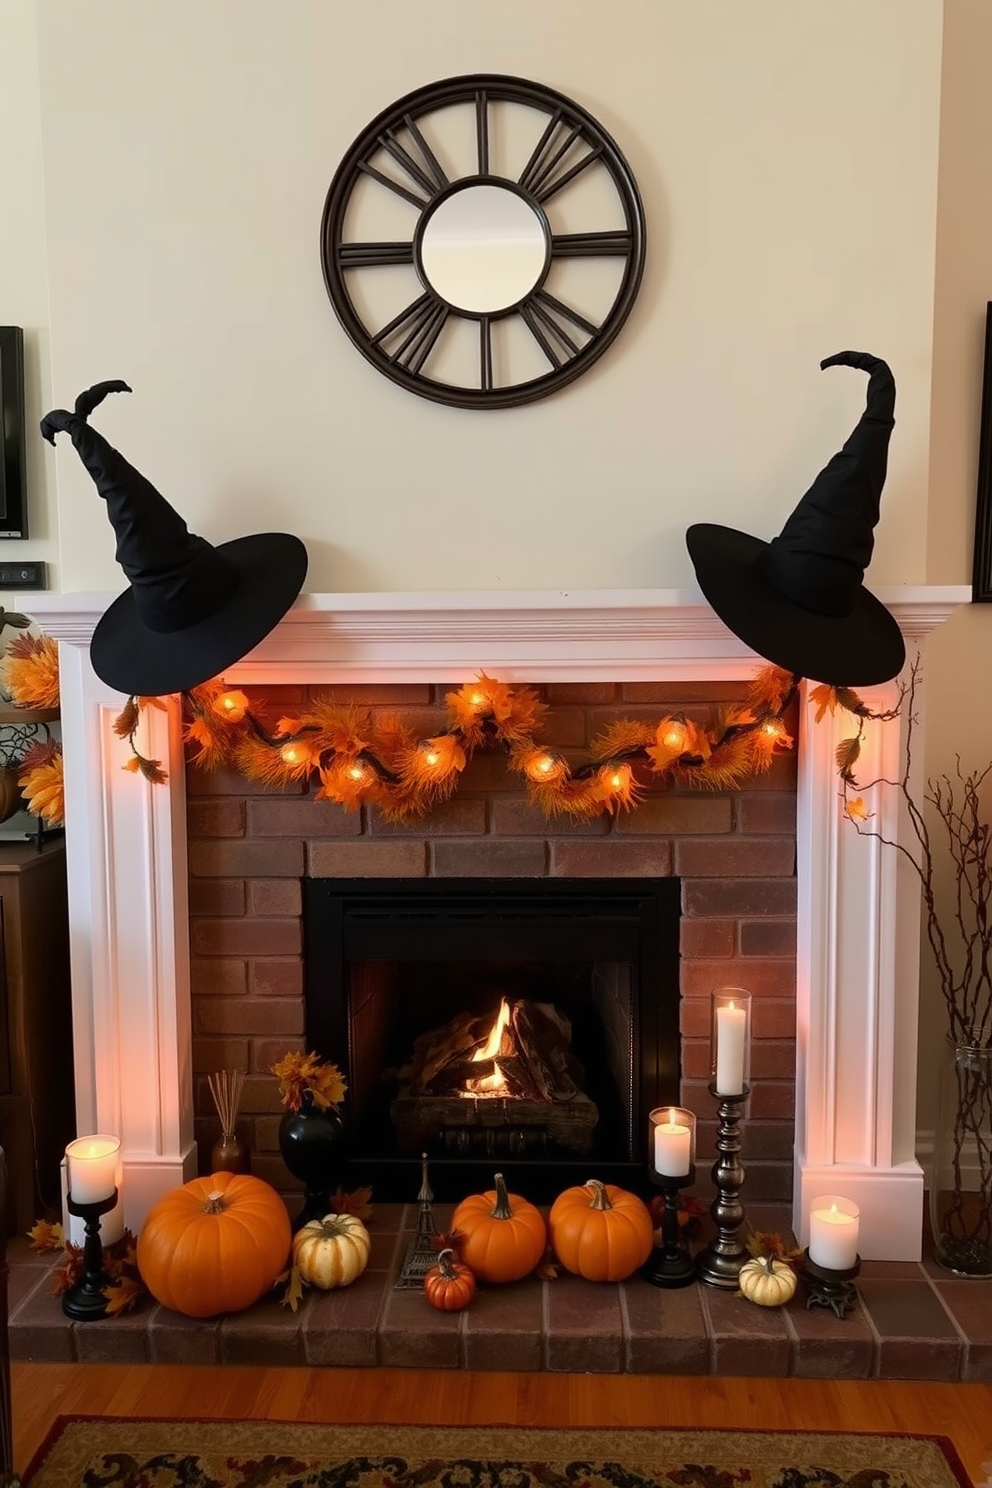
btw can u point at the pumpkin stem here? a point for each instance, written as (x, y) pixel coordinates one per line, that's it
(501, 1209)
(216, 1203)
(600, 1198)
(444, 1265)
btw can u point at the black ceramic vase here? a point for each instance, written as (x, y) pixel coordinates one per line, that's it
(312, 1145)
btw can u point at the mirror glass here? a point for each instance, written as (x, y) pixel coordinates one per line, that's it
(483, 249)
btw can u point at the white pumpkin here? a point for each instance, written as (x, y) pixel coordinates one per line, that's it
(333, 1251)
(767, 1281)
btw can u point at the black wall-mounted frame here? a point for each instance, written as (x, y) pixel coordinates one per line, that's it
(13, 470)
(981, 579)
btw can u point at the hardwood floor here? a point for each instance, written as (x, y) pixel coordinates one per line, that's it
(451, 1397)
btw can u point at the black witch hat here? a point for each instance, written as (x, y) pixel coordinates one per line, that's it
(799, 600)
(192, 609)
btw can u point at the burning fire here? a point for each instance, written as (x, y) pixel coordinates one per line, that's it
(493, 1084)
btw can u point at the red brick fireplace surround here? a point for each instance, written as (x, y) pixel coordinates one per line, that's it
(142, 1042)
(734, 853)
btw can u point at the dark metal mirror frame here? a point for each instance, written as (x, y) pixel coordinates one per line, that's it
(569, 341)
(981, 580)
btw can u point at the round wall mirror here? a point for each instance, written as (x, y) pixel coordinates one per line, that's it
(483, 241)
(483, 249)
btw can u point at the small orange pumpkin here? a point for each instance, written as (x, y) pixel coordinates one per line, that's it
(502, 1236)
(450, 1285)
(214, 1245)
(600, 1232)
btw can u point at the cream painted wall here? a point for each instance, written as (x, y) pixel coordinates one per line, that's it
(787, 157)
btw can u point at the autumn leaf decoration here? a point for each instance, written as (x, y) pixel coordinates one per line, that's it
(770, 1245)
(299, 1074)
(126, 726)
(124, 1288)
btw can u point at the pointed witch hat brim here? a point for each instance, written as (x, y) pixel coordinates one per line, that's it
(192, 609)
(799, 600)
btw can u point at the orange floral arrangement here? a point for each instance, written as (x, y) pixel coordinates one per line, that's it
(29, 671)
(301, 1073)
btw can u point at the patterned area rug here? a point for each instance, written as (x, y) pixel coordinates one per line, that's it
(101, 1452)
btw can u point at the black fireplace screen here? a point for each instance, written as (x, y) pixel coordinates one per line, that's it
(525, 1025)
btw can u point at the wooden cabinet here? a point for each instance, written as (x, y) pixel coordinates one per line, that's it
(37, 1108)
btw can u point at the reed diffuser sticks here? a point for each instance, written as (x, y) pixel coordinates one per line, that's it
(229, 1153)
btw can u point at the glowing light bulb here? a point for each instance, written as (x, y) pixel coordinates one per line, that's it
(231, 705)
(356, 772)
(292, 754)
(674, 736)
(431, 756)
(545, 765)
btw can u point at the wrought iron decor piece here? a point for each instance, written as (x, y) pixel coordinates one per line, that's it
(483, 241)
(981, 584)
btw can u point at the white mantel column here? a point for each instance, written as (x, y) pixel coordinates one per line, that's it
(128, 928)
(857, 1002)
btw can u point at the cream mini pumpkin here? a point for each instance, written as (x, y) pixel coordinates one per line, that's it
(333, 1251)
(767, 1281)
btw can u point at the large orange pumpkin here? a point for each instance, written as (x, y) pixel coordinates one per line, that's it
(214, 1245)
(600, 1232)
(501, 1236)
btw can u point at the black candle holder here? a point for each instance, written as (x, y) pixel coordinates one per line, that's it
(719, 1265)
(825, 1287)
(85, 1302)
(670, 1264)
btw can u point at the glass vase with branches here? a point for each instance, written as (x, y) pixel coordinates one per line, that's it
(949, 850)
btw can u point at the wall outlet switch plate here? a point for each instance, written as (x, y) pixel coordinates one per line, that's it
(25, 575)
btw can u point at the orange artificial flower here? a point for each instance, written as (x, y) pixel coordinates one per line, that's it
(29, 670)
(42, 782)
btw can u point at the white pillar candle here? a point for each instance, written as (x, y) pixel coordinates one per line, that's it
(833, 1234)
(672, 1148)
(92, 1164)
(731, 1027)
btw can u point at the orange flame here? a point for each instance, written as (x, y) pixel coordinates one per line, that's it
(489, 1050)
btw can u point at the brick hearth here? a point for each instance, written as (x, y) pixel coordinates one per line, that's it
(250, 847)
(912, 1321)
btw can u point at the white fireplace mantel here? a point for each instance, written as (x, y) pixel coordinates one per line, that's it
(858, 916)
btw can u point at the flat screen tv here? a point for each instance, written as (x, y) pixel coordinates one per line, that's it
(13, 481)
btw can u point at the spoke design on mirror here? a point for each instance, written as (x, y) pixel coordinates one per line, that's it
(373, 255)
(538, 178)
(482, 131)
(423, 321)
(591, 244)
(542, 312)
(485, 354)
(456, 249)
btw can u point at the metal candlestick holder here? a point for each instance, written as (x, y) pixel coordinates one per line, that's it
(828, 1288)
(719, 1265)
(670, 1264)
(85, 1302)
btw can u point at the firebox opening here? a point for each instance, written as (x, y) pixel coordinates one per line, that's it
(527, 1025)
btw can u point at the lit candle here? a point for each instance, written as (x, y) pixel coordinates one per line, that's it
(833, 1234)
(92, 1164)
(672, 1148)
(731, 1027)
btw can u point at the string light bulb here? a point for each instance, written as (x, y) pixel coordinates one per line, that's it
(294, 754)
(232, 705)
(544, 767)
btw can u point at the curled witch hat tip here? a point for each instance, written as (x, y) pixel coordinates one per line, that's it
(191, 609)
(799, 600)
(60, 419)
